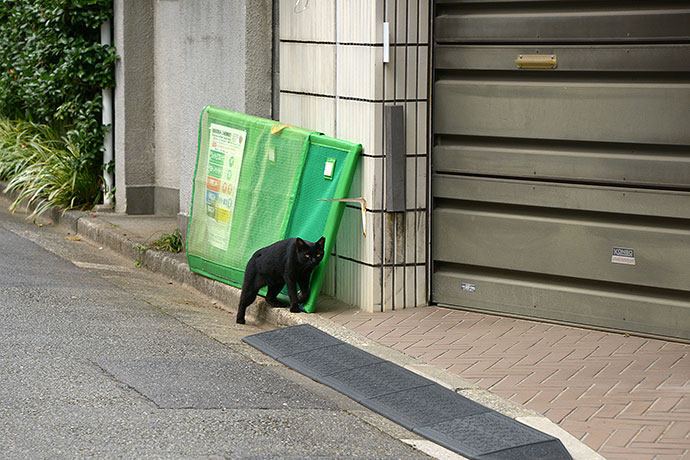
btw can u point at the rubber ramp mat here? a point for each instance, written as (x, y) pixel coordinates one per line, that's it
(419, 404)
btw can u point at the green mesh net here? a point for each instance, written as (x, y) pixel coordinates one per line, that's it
(257, 182)
(309, 215)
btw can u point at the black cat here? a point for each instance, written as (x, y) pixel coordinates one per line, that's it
(287, 262)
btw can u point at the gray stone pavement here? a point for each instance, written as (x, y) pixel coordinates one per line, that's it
(625, 397)
(104, 359)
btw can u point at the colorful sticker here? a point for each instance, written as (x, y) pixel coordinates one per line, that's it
(226, 148)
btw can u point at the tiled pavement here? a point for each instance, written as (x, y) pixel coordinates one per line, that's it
(626, 397)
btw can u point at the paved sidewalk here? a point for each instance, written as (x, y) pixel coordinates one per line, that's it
(626, 397)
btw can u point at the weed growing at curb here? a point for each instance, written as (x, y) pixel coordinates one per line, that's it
(169, 242)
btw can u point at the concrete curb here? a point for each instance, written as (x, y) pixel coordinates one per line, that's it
(175, 267)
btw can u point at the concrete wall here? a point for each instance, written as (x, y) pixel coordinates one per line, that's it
(219, 68)
(168, 79)
(176, 57)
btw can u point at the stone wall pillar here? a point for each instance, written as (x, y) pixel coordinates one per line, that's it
(333, 79)
(133, 103)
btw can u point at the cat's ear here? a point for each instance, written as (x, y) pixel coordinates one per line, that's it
(300, 243)
(322, 241)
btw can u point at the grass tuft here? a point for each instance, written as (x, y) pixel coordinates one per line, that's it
(44, 169)
(169, 242)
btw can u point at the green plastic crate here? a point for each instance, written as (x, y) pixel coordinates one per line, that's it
(256, 182)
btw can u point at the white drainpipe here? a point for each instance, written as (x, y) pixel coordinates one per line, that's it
(108, 148)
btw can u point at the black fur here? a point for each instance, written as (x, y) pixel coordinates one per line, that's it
(287, 262)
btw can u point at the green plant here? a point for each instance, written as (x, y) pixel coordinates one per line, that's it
(44, 169)
(53, 68)
(17, 140)
(169, 242)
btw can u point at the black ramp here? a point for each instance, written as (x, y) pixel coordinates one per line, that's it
(325, 361)
(491, 435)
(423, 406)
(374, 380)
(417, 403)
(291, 340)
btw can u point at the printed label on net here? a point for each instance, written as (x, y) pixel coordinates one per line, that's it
(225, 151)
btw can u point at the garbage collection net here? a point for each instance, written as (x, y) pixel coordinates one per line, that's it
(245, 185)
(309, 214)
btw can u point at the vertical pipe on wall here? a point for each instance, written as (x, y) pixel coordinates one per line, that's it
(386, 41)
(337, 94)
(415, 207)
(429, 143)
(393, 217)
(403, 217)
(275, 90)
(334, 250)
(107, 120)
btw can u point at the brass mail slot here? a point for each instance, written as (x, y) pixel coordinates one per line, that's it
(536, 61)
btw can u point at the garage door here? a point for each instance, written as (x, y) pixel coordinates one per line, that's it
(561, 161)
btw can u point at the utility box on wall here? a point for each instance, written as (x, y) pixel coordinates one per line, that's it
(396, 157)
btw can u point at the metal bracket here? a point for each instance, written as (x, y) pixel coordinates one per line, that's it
(536, 61)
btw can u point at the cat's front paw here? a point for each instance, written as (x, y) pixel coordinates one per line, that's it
(295, 309)
(240, 321)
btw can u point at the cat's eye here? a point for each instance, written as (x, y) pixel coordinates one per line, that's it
(318, 255)
(307, 256)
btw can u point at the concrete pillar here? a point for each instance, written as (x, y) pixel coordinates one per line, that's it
(134, 123)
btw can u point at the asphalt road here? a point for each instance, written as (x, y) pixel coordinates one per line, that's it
(99, 358)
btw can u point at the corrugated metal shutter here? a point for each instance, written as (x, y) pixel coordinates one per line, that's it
(563, 193)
